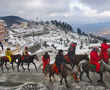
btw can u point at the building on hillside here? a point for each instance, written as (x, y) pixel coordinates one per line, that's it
(3, 31)
(24, 25)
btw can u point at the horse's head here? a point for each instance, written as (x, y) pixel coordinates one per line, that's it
(36, 57)
(84, 57)
(17, 56)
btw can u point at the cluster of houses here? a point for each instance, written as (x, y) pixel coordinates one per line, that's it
(3, 31)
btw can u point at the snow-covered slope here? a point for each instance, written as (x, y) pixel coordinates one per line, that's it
(48, 37)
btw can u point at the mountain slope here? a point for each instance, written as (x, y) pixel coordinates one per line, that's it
(10, 20)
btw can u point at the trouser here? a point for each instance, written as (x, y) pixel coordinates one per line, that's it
(44, 66)
(72, 60)
(105, 56)
(9, 57)
(59, 67)
(105, 60)
(97, 66)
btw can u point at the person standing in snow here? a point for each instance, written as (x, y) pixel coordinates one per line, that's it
(104, 53)
(8, 53)
(71, 53)
(45, 60)
(95, 58)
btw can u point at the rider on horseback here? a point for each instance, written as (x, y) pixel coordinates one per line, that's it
(46, 60)
(25, 52)
(8, 53)
(60, 60)
(95, 58)
(104, 52)
(71, 53)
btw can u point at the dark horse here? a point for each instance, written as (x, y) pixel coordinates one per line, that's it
(27, 59)
(77, 59)
(5, 60)
(66, 70)
(86, 67)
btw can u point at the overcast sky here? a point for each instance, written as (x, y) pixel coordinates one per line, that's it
(73, 11)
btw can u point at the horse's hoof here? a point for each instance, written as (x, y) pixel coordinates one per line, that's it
(18, 71)
(2, 71)
(90, 81)
(36, 70)
(50, 80)
(23, 70)
(68, 86)
(100, 81)
(60, 82)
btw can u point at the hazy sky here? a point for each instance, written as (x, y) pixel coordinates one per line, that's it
(74, 11)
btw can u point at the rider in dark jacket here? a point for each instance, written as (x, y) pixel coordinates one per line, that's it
(71, 53)
(60, 60)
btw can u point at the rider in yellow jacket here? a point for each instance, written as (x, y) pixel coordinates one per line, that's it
(8, 53)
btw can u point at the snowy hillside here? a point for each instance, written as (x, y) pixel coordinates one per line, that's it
(47, 37)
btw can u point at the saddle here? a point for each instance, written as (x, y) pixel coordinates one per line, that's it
(67, 58)
(24, 56)
(92, 66)
(5, 58)
(54, 68)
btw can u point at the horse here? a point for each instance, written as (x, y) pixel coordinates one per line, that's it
(52, 69)
(5, 60)
(77, 59)
(65, 71)
(27, 59)
(86, 67)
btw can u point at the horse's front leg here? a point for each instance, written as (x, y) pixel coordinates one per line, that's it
(81, 74)
(87, 73)
(66, 82)
(22, 66)
(35, 66)
(6, 66)
(28, 67)
(18, 67)
(101, 78)
(61, 80)
(50, 75)
(12, 66)
(2, 68)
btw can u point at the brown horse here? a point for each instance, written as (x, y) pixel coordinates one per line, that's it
(27, 59)
(5, 60)
(77, 59)
(65, 70)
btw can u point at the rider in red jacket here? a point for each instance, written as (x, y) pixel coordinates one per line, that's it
(94, 58)
(45, 60)
(104, 52)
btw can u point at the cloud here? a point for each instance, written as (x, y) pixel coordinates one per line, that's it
(74, 11)
(99, 5)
